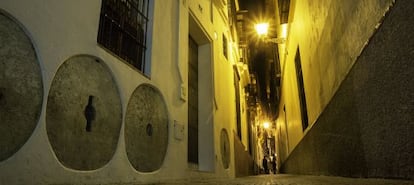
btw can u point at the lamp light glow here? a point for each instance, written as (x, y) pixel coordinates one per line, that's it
(266, 125)
(284, 30)
(262, 28)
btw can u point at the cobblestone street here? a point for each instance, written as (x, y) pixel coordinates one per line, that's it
(296, 180)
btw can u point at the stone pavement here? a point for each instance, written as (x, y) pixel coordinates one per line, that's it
(293, 180)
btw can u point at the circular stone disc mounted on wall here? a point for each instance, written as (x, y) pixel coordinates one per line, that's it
(83, 114)
(146, 129)
(225, 148)
(21, 89)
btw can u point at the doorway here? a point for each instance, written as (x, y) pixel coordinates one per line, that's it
(192, 101)
(200, 99)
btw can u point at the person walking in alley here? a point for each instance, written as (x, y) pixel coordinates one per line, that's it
(274, 164)
(264, 165)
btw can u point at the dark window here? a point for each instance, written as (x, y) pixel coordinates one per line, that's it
(123, 29)
(301, 90)
(225, 46)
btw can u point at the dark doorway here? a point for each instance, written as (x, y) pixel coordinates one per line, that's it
(192, 101)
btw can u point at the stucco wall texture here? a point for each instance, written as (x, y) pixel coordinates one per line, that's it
(328, 36)
(366, 129)
(59, 31)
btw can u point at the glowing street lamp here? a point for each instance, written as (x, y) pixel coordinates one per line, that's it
(262, 30)
(266, 125)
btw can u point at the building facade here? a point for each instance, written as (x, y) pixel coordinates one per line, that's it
(342, 112)
(121, 91)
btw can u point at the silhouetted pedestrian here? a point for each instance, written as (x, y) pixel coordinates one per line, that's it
(265, 167)
(274, 164)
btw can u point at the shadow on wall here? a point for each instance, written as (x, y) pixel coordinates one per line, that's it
(243, 161)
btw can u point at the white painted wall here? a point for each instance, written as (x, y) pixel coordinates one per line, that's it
(61, 29)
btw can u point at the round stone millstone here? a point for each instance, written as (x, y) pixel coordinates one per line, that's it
(146, 129)
(21, 88)
(225, 148)
(84, 115)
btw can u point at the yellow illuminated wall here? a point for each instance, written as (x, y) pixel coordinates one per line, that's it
(330, 36)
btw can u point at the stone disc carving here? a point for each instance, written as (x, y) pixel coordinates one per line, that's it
(225, 148)
(146, 129)
(84, 115)
(21, 89)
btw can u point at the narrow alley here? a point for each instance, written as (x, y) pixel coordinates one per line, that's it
(221, 92)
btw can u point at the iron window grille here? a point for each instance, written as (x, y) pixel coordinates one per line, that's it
(123, 29)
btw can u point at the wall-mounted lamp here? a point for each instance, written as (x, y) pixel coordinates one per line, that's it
(262, 30)
(266, 125)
